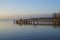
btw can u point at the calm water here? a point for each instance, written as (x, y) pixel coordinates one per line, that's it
(11, 31)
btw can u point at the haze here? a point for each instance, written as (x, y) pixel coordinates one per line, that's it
(13, 9)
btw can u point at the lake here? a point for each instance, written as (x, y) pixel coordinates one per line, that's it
(11, 31)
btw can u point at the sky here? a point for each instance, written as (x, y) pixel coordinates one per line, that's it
(13, 9)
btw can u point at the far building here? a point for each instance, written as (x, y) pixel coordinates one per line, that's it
(56, 16)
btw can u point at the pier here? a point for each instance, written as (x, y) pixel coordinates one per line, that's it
(55, 20)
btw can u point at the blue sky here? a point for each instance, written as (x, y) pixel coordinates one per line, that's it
(28, 8)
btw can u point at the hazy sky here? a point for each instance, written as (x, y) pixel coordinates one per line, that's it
(27, 8)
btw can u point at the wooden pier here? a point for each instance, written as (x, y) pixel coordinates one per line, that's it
(39, 21)
(55, 20)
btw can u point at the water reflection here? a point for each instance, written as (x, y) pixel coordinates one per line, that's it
(12, 31)
(54, 26)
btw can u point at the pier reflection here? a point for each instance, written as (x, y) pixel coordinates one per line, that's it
(35, 25)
